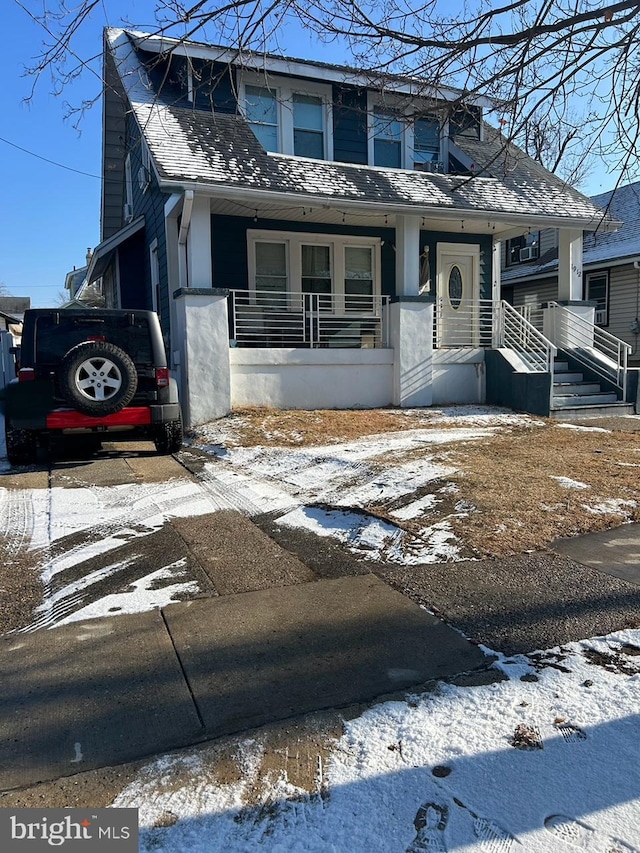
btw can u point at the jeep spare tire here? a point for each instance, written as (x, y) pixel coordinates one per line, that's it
(97, 378)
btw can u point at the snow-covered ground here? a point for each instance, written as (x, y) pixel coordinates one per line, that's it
(545, 761)
(546, 764)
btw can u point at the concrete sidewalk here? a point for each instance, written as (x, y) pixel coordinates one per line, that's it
(102, 692)
(615, 552)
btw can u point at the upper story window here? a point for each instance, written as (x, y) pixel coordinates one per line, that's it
(426, 143)
(388, 131)
(400, 140)
(523, 249)
(289, 117)
(261, 108)
(308, 126)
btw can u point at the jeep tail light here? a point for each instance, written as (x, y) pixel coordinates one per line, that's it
(100, 338)
(26, 374)
(162, 377)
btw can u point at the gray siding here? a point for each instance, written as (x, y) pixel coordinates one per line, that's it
(114, 111)
(350, 125)
(624, 302)
(535, 292)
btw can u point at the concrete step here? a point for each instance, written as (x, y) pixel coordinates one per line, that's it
(560, 366)
(568, 376)
(563, 388)
(560, 401)
(583, 413)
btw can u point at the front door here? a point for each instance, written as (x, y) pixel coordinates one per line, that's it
(457, 295)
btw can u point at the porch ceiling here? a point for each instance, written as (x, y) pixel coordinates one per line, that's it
(336, 216)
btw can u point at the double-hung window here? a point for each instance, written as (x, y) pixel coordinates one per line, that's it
(426, 143)
(597, 290)
(388, 132)
(403, 140)
(261, 105)
(342, 272)
(271, 272)
(358, 277)
(308, 126)
(289, 119)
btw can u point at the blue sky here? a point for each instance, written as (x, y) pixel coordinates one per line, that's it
(52, 214)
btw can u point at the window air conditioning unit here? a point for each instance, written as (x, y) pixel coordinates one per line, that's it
(128, 213)
(143, 178)
(529, 253)
(601, 317)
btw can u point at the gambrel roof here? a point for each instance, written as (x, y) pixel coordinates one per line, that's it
(218, 154)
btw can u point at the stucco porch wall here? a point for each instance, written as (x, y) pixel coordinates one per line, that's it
(458, 376)
(311, 378)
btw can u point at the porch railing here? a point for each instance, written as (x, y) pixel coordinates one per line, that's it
(595, 348)
(264, 318)
(469, 324)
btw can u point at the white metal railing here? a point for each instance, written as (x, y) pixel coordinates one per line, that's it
(517, 332)
(534, 314)
(595, 348)
(264, 318)
(469, 324)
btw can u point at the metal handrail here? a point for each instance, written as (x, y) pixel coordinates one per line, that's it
(597, 349)
(265, 318)
(469, 325)
(517, 333)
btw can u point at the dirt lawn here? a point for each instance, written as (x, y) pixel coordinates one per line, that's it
(523, 483)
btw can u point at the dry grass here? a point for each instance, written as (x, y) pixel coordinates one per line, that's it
(294, 428)
(507, 477)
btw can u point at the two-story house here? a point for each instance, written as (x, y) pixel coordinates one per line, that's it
(314, 236)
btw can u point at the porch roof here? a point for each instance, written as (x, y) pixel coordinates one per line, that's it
(218, 154)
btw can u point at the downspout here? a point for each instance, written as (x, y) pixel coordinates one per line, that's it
(183, 233)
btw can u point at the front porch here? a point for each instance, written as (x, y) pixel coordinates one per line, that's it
(306, 351)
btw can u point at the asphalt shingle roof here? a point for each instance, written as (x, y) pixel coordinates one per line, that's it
(219, 150)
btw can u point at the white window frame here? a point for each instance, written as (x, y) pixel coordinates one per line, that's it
(294, 242)
(283, 90)
(407, 115)
(587, 281)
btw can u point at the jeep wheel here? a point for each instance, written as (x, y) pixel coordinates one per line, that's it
(22, 445)
(98, 378)
(168, 437)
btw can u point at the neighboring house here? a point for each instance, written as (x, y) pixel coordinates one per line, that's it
(313, 236)
(610, 270)
(12, 310)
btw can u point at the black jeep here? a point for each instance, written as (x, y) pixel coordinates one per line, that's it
(100, 373)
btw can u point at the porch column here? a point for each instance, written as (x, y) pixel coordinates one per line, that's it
(496, 292)
(411, 336)
(202, 344)
(407, 255)
(570, 265)
(199, 264)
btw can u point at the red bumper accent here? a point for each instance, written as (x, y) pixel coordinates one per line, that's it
(68, 418)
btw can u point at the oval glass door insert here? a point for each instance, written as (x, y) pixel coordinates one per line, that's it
(455, 287)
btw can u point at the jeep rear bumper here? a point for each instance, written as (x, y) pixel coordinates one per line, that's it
(130, 416)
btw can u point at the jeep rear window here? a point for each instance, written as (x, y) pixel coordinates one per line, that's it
(53, 340)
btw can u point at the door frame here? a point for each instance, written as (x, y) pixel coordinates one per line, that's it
(467, 251)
